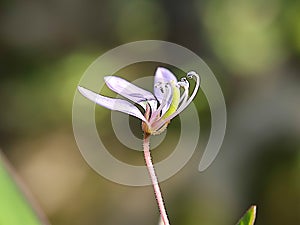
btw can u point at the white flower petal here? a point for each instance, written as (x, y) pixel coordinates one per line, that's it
(163, 76)
(112, 103)
(129, 90)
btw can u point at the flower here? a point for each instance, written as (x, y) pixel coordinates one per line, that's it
(166, 103)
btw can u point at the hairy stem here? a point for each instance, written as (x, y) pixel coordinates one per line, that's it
(153, 177)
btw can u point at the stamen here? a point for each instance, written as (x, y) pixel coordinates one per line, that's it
(192, 74)
(185, 102)
(196, 77)
(166, 90)
(184, 84)
(183, 79)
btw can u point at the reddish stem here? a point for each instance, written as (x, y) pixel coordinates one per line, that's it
(154, 180)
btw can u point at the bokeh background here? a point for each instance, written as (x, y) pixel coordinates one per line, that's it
(253, 47)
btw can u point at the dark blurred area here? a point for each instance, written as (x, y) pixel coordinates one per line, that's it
(253, 47)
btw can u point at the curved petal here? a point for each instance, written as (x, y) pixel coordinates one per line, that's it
(163, 76)
(129, 90)
(112, 103)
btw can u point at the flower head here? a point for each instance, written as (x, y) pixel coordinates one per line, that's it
(166, 103)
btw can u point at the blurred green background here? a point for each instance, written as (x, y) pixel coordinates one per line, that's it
(253, 47)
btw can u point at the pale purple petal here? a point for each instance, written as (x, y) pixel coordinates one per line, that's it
(162, 75)
(129, 90)
(112, 103)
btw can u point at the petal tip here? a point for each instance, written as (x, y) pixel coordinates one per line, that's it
(81, 89)
(162, 69)
(85, 92)
(164, 74)
(106, 78)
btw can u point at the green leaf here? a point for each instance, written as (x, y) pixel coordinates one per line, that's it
(249, 217)
(14, 206)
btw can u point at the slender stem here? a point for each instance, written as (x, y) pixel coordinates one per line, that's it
(154, 180)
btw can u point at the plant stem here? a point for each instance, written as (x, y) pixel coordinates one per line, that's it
(154, 180)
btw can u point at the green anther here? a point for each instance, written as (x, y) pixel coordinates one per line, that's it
(175, 101)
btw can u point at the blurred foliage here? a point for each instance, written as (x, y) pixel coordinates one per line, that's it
(42, 98)
(250, 37)
(252, 46)
(249, 217)
(245, 40)
(147, 20)
(16, 209)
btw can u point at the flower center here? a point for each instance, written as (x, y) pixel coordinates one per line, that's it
(173, 102)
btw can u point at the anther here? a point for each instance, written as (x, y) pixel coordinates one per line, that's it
(183, 83)
(157, 85)
(192, 74)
